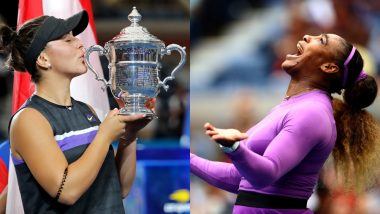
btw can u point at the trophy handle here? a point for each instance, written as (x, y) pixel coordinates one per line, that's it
(167, 51)
(101, 51)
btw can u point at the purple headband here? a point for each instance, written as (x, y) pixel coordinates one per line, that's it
(362, 74)
(345, 65)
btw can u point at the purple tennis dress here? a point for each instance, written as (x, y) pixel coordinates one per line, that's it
(283, 154)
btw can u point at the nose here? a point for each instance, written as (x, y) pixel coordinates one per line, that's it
(79, 43)
(306, 38)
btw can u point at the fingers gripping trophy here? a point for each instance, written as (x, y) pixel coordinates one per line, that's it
(134, 66)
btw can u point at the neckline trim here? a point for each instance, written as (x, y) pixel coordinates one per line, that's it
(70, 107)
(298, 96)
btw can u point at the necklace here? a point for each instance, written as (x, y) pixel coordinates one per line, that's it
(287, 97)
(68, 107)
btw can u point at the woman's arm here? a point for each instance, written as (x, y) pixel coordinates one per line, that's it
(300, 133)
(126, 151)
(126, 154)
(126, 164)
(222, 175)
(32, 140)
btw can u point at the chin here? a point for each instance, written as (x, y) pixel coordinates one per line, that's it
(78, 72)
(289, 66)
(83, 69)
(285, 65)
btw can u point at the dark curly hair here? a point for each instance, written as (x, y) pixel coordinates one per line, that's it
(357, 149)
(15, 44)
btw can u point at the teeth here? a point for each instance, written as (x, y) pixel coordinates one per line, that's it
(300, 51)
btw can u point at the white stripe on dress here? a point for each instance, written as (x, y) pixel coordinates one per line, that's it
(73, 133)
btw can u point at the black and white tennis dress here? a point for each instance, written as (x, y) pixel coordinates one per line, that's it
(74, 129)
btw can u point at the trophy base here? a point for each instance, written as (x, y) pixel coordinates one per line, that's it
(148, 115)
(135, 104)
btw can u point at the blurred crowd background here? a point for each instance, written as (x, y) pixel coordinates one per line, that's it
(237, 48)
(168, 20)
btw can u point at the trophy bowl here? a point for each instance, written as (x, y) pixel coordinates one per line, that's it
(134, 63)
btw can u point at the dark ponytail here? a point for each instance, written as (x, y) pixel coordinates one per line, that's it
(361, 94)
(7, 39)
(15, 44)
(357, 149)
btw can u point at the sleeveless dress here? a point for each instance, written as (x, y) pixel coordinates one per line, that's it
(74, 129)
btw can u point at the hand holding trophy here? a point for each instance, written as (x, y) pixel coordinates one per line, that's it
(133, 57)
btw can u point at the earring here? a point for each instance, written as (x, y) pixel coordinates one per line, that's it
(49, 66)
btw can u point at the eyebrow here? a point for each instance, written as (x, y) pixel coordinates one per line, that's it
(67, 34)
(326, 38)
(64, 36)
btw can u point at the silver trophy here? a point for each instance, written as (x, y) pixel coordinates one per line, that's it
(133, 57)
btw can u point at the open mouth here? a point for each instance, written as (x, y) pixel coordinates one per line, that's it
(296, 55)
(299, 49)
